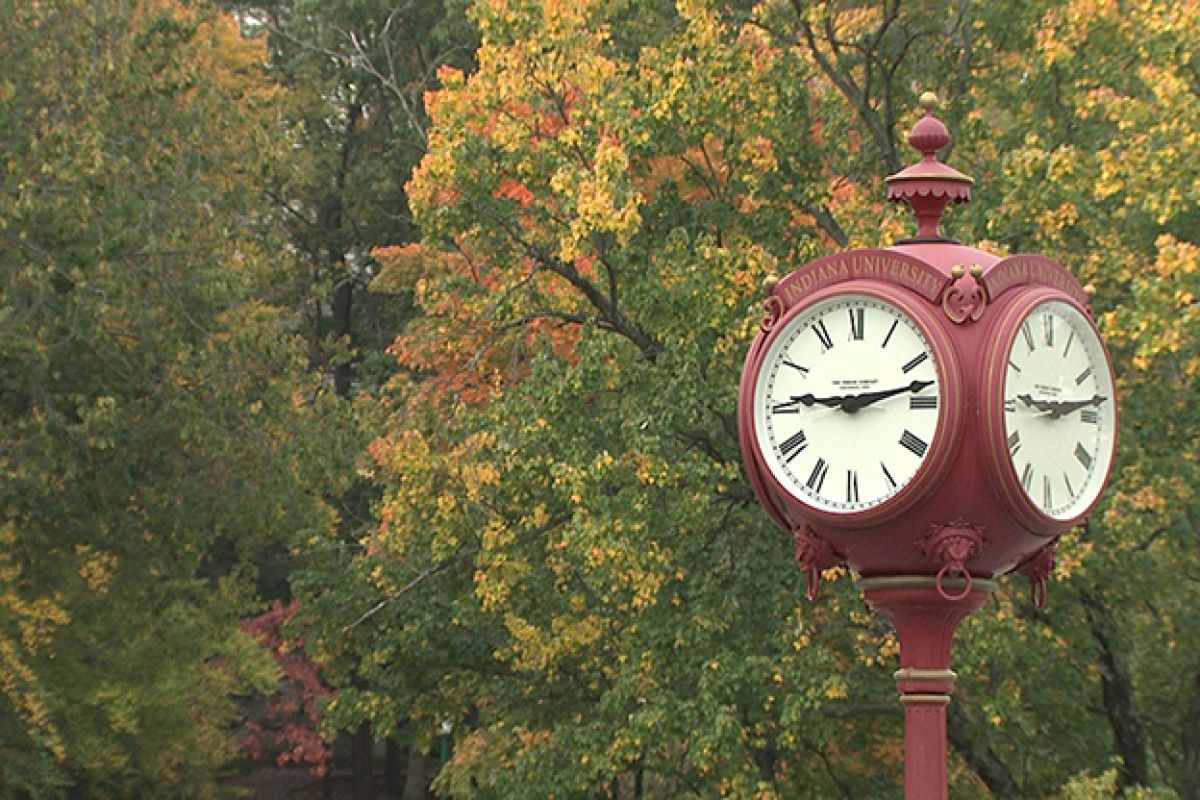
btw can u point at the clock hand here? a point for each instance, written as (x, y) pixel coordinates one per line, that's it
(1040, 405)
(853, 403)
(808, 399)
(1059, 408)
(1063, 407)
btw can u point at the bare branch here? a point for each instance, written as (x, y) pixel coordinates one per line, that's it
(447, 563)
(839, 74)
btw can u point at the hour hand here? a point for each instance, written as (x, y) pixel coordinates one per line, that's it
(1070, 406)
(811, 400)
(1040, 405)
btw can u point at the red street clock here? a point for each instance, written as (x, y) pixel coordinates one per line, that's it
(932, 416)
(928, 408)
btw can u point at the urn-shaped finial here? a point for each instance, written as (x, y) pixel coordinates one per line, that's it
(929, 185)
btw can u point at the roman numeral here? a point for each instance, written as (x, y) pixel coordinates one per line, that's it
(793, 445)
(785, 408)
(1014, 443)
(891, 330)
(1090, 415)
(1028, 334)
(1083, 376)
(1014, 366)
(1047, 496)
(795, 366)
(817, 478)
(1083, 456)
(1010, 406)
(1070, 339)
(851, 486)
(911, 365)
(1070, 489)
(913, 443)
(923, 403)
(887, 476)
(857, 321)
(822, 333)
(1027, 477)
(1048, 322)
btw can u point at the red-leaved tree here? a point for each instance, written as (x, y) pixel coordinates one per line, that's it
(286, 726)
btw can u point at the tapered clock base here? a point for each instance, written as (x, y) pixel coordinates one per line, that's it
(925, 615)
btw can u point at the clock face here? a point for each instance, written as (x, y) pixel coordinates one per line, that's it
(1059, 409)
(847, 403)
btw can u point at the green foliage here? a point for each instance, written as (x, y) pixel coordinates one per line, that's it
(569, 563)
(552, 543)
(153, 442)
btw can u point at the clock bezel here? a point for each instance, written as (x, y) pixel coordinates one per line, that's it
(947, 428)
(1000, 463)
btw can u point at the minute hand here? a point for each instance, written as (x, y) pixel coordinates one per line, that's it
(853, 403)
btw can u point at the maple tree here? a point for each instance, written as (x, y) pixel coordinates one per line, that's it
(352, 78)
(287, 725)
(568, 561)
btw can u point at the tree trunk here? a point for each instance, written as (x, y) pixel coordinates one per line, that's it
(342, 303)
(1190, 742)
(980, 757)
(362, 764)
(392, 771)
(1120, 702)
(416, 782)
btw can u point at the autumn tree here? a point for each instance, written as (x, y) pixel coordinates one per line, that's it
(569, 563)
(155, 434)
(352, 76)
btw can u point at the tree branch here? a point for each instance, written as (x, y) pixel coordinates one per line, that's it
(447, 563)
(858, 96)
(611, 313)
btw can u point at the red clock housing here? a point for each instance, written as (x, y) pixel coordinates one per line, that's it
(966, 512)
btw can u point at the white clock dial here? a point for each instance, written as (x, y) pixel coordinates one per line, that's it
(847, 403)
(1059, 409)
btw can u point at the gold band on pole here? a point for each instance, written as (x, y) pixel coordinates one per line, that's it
(922, 581)
(913, 674)
(927, 699)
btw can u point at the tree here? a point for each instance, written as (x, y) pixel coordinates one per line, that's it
(611, 664)
(569, 563)
(154, 440)
(353, 77)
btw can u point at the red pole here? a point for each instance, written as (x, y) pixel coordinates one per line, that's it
(925, 611)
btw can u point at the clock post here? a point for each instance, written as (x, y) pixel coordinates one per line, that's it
(932, 416)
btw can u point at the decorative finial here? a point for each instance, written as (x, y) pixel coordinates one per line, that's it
(929, 185)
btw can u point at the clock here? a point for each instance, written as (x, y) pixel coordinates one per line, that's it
(1049, 410)
(854, 404)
